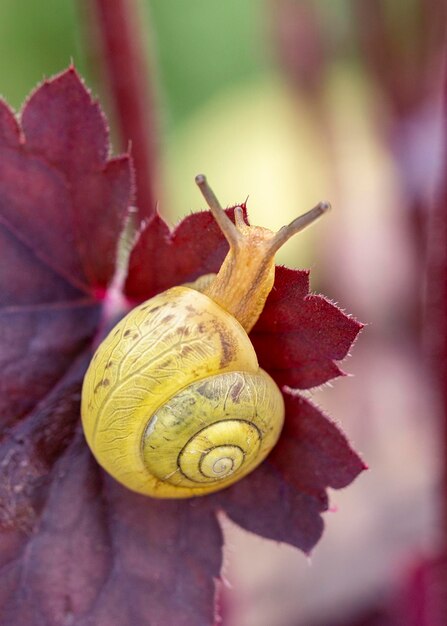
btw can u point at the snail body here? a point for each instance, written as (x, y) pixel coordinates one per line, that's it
(174, 403)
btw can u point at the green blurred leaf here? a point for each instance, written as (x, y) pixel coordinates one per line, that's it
(203, 47)
(37, 39)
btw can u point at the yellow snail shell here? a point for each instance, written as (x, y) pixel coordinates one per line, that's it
(177, 405)
(174, 403)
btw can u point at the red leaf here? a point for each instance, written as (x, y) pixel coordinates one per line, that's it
(38, 344)
(30, 447)
(58, 193)
(63, 125)
(299, 336)
(313, 454)
(284, 498)
(105, 555)
(76, 546)
(268, 505)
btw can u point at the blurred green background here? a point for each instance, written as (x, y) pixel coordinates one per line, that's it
(225, 106)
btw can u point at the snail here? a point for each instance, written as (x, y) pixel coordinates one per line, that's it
(174, 403)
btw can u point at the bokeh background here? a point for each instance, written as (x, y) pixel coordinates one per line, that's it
(290, 102)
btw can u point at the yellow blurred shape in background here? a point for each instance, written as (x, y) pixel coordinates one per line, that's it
(257, 141)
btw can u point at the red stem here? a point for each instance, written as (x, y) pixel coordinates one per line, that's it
(127, 70)
(435, 334)
(435, 328)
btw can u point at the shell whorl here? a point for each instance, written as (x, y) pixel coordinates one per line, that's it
(174, 403)
(230, 431)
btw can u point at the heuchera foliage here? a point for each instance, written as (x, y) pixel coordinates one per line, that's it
(76, 547)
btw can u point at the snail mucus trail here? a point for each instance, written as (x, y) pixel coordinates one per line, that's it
(174, 403)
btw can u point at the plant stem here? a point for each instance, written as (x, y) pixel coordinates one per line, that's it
(126, 68)
(435, 336)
